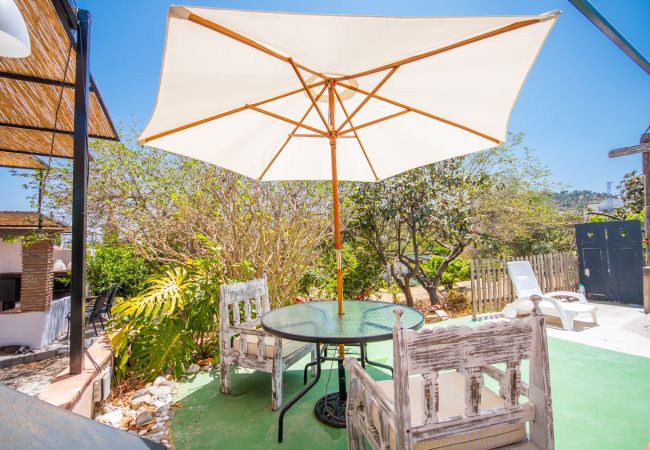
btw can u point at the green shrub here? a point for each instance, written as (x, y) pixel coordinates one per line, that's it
(457, 270)
(117, 264)
(361, 273)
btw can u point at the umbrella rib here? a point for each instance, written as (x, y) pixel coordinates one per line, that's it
(286, 119)
(309, 93)
(302, 119)
(464, 42)
(424, 113)
(247, 41)
(356, 135)
(368, 97)
(224, 114)
(354, 129)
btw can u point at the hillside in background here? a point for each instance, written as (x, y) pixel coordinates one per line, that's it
(577, 200)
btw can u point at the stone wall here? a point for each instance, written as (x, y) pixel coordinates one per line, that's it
(37, 279)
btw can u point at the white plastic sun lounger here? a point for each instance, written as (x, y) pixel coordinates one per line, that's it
(525, 284)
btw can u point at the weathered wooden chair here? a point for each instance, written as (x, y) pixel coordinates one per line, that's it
(429, 406)
(243, 343)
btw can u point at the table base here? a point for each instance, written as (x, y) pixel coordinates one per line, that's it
(330, 409)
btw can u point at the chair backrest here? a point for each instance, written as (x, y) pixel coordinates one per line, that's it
(244, 303)
(101, 300)
(523, 279)
(473, 351)
(111, 297)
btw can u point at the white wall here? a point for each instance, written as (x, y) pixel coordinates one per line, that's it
(11, 260)
(11, 257)
(35, 329)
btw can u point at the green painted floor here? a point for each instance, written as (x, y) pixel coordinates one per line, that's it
(601, 400)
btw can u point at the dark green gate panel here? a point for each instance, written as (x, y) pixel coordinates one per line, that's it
(611, 260)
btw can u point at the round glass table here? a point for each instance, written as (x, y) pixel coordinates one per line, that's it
(318, 322)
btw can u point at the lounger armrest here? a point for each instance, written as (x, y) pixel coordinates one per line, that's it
(577, 295)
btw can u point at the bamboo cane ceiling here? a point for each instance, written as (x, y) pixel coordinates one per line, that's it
(30, 89)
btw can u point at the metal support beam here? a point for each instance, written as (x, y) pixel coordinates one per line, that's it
(79, 194)
(608, 30)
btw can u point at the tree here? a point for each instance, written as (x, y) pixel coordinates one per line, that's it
(632, 194)
(163, 206)
(405, 217)
(493, 200)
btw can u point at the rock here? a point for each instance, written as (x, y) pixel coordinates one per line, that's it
(143, 418)
(159, 391)
(194, 368)
(141, 392)
(142, 432)
(156, 437)
(165, 418)
(161, 381)
(142, 399)
(169, 398)
(432, 318)
(159, 402)
(170, 414)
(112, 418)
(443, 314)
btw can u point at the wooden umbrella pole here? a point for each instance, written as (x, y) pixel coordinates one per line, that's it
(335, 201)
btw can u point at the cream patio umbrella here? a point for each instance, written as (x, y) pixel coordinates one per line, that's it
(278, 96)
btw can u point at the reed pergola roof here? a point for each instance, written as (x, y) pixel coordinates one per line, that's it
(37, 92)
(28, 221)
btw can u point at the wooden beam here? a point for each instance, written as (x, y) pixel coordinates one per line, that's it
(223, 114)
(356, 135)
(480, 37)
(308, 92)
(286, 119)
(372, 122)
(424, 113)
(307, 135)
(368, 97)
(634, 149)
(302, 119)
(247, 41)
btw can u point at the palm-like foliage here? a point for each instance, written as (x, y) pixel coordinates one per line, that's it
(172, 322)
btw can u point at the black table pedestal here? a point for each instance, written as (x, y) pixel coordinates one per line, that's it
(330, 409)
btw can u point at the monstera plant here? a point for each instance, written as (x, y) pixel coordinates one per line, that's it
(173, 321)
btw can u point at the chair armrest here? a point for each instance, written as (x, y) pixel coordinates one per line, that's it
(368, 386)
(244, 330)
(577, 295)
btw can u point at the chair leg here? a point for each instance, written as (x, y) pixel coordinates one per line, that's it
(94, 326)
(101, 321)
(314, 355)
(355, 437)
(67, 334)
(225, 377)
(276, 382)
(594, 316)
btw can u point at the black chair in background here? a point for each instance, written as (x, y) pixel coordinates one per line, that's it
(111, 298)
(95, 312)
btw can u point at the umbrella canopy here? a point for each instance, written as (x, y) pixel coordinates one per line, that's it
(277, 96)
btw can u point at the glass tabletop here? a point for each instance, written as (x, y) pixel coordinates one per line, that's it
(363, 321)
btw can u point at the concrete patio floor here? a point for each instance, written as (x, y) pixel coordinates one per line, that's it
(601, 400)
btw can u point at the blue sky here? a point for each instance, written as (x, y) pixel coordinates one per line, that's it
(582, 98)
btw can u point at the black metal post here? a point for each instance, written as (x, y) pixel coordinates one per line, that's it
(79, 194)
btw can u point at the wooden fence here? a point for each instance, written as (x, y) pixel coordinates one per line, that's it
(491, 287)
